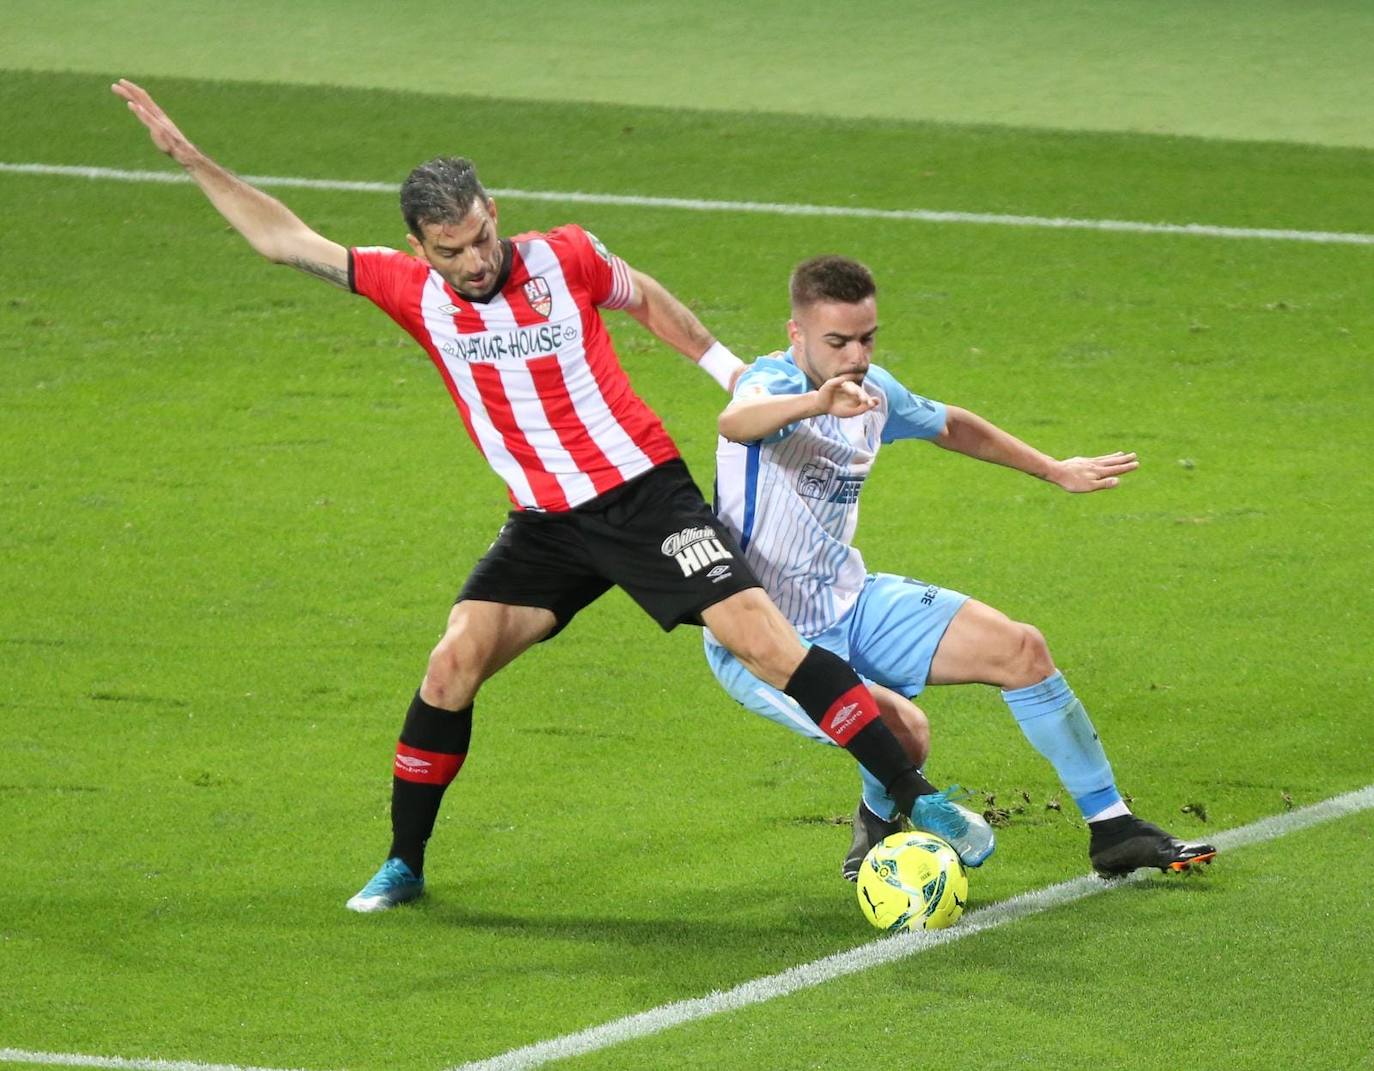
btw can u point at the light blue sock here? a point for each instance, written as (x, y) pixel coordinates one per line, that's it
(876, 798)
(1056, 724)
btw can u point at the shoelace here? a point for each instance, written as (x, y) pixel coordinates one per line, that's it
(390, 874)
(956, 816)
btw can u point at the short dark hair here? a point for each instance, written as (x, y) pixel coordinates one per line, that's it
(830, 278)
(442, 190)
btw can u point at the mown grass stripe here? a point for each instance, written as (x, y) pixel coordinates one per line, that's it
(919, 215)
(71, 1059)
(875, 954)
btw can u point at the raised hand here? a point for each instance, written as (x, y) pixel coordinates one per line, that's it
(164, 132)
(842, 397)
(1081, 474)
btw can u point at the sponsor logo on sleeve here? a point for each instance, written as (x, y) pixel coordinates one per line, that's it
(601, 250)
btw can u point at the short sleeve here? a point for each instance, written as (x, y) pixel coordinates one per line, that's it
(909, 416)
(385, 277)
(605, 275)
(769, 377)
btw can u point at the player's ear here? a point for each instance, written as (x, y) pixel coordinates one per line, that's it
(415, 246)
(491, 210)
(794, 333)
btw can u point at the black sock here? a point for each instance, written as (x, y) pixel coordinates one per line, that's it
(831, 693)
(431, 751)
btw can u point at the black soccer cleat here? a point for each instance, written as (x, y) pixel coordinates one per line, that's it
(869, 829)
(1121, 845)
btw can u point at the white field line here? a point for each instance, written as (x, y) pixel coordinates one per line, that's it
(881, 951)
(921, 215)
(887, 949)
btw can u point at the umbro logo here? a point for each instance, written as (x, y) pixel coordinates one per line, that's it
(843, 722)
(410, 762)
(718, 573)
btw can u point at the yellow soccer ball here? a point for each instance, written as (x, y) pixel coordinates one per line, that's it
(912, 881)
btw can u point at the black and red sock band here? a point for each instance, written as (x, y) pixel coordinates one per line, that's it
(434, 742)
(829, 690)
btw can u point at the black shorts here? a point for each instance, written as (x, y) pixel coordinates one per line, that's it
(654, 536)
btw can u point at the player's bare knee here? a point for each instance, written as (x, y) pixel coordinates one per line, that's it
(1030, 661)
(452, 676)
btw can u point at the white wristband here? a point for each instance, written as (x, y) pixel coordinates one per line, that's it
(720, 364)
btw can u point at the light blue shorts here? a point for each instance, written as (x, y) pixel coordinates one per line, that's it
(889, 636)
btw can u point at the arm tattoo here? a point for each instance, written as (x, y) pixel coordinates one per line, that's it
(327, 272)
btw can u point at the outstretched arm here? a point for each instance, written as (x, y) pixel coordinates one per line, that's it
(270, 227)
(674, 323)
(748, 419)
(968, 433)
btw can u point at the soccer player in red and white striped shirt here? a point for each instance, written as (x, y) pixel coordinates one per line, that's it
(601, 496)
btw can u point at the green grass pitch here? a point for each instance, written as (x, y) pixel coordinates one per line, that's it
(237, 504)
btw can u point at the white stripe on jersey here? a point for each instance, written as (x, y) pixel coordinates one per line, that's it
(442, 332)
(794, 506)
(583, 389)
(622, 290)
(523, 397)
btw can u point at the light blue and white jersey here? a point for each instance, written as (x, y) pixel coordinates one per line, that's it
(792, 499)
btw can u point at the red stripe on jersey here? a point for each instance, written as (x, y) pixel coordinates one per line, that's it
(637, 420)
(426, 767)
(848, 714)
(547, 375)
(466, 317)
(413, 313)
(631, 412)
(516, 293)
(548, 492)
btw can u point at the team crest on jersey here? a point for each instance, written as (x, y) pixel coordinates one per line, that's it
(540, 297)
(820, 481)
(601, 250)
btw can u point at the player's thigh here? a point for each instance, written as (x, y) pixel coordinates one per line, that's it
(984, 646)
(537, 561)
(761, 698)
(489, 635)
(897, 627)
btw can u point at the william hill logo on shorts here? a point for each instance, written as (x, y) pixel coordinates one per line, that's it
(695, 549)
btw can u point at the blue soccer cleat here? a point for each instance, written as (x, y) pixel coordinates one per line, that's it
(968, 833)
(395, 883)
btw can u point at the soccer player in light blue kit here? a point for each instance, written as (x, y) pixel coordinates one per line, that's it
(798, 440)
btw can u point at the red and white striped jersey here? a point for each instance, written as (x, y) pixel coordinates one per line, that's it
(531, 369)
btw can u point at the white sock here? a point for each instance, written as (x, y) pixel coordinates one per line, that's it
(1116, 810)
